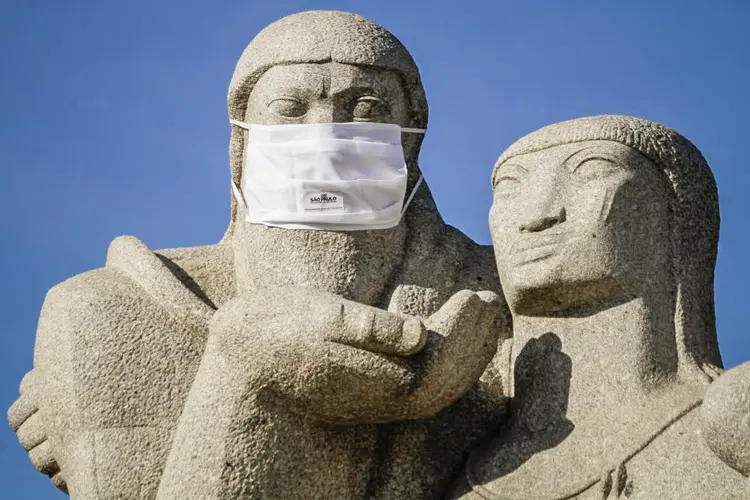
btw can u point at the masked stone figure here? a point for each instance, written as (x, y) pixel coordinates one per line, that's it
(605, 232)
(284, 363)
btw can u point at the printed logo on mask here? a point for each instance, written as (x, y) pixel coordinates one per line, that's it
(323, 201)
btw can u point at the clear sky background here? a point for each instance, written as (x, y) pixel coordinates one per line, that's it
(113, 121)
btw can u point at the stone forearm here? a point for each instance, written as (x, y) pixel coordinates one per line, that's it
(238, 439)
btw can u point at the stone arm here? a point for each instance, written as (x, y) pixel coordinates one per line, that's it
(116, 350)
(283, 366)
(344, 362)
(726, 418)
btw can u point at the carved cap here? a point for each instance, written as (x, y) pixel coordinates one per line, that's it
(695, 215)
(319, 37)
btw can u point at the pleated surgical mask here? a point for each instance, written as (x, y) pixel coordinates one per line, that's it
(325, 176)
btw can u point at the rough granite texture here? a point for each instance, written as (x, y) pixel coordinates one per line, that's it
(380, 364)
(278, 363)
(605, 232)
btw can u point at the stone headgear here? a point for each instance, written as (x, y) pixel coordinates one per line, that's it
(320, 37)
(695, 215)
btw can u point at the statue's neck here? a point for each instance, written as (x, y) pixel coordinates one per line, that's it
(590, 391)
(355, 265)
(585, 368)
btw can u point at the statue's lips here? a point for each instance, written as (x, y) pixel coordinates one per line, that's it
(533, 248)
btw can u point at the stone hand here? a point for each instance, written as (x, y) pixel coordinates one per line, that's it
(462, 339)
(342, 361)
(26, 422)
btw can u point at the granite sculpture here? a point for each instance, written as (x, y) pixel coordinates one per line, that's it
(227, 371)
(605, 232)
(380, 364)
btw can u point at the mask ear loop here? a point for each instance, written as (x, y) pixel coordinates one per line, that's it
(414, 130)
(238, 196)
(411, 196)
(241, 199)
(421, 177)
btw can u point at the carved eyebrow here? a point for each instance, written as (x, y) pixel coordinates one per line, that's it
(294, 93)
(509, 165)
(362, 90)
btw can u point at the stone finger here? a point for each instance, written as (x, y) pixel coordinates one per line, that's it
(458, 352)
(27, 382)
(20, 411)
(493, 307)
(472, 328)
(43, 460)
(620, 479)
(31, 433)
(374, 329)
(59, 481)
(459, 311)
(605, 485)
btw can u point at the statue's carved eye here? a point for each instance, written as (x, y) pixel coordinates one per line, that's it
(507, 184)
(508, 179)
(287, 107)
(595, 168)
(370, 109)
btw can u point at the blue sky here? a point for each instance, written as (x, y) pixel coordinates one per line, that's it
(114, 122)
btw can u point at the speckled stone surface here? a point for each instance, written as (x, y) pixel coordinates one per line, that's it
(605, 232)
(391, 364)
(278, 363)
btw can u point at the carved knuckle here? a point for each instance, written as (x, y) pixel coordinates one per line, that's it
(20, 411)
(43, 459)
(27, 382)
(58, 480)
(31, 434)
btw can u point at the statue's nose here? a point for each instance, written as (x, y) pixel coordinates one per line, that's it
(545, 208)
(543, 221)
(328, 112)
(321, 112)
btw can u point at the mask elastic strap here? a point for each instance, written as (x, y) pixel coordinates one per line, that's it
(240, 124)
(238, 196)
(411, 196)
(421, 177)
(236, 190)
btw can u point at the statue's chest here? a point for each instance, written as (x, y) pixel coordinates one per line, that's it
(674, 465)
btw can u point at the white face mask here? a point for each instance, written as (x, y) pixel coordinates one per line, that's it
(326, 176)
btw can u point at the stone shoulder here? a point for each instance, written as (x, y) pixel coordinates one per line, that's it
(475, 263)
(207, 270)
(681, 452)
(726, 417)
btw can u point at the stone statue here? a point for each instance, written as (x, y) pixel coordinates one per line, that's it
(299, 363)
(277, 363)
(605, 233)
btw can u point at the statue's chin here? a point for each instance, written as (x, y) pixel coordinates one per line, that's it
(356, 265)
(562, 297)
